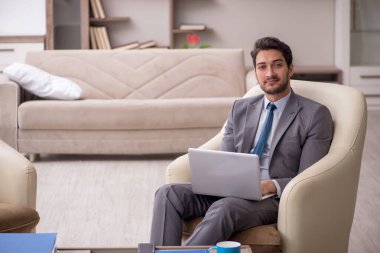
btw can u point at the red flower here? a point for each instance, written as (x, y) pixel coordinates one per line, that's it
(192, 39)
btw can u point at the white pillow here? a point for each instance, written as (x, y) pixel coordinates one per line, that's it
(41, 83)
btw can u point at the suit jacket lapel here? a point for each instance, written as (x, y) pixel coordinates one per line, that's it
(251, 123)
(288, 115)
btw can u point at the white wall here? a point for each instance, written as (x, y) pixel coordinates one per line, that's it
(22, 17)
(306, 25)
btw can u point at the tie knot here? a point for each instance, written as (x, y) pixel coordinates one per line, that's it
(271, 107)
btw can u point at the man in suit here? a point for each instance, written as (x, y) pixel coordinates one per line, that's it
(299, 134)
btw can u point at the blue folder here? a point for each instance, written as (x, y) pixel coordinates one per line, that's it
(27, 242)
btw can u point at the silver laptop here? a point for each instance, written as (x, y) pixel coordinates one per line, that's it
(225, 174)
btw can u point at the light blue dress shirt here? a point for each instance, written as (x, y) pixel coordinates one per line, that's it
(264, 160)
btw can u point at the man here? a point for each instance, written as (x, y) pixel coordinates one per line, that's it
(298, 135)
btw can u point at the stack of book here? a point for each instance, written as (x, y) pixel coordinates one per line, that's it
(97, 9)
(137, 45)
(99, 37)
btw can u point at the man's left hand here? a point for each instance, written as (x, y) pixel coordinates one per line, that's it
(268, 187)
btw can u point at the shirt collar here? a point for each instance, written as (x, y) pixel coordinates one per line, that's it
(280, 104)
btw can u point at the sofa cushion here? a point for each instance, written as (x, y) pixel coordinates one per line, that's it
(148, 74)
(17, 219)
(41, 83)
(120, 114)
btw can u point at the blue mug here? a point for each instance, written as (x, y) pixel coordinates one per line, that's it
(226, 247)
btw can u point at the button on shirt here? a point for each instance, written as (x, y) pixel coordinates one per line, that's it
(264, 159)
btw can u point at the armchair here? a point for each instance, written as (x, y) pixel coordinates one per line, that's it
(17, 192)
(317, 207)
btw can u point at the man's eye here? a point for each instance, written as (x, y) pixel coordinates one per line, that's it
(278, 65)
(261, 67)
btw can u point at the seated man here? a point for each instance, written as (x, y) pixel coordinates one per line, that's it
(287, 131)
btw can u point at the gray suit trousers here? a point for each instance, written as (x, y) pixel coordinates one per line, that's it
(222, 216)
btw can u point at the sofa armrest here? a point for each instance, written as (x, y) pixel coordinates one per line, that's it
(18, 179)
(9, 101)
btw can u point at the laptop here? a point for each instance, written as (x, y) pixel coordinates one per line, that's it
(225, 174)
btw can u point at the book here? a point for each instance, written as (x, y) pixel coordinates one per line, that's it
(100, 9)
(105, 37)
(93, 41)
(147, 44)
(98, 38)
(191, 27)
(130, 45)
(101, 37)
(95, 11)
(28, 242)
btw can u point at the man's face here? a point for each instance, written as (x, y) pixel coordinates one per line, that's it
(273, 74)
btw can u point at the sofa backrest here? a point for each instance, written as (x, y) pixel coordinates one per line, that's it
(147, 74)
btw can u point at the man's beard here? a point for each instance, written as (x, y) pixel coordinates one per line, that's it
(275, 90)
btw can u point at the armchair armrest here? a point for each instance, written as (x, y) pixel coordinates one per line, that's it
(9, 101)
(317, 206)
(18, 179)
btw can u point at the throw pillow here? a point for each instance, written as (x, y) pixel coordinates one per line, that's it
(41, 83)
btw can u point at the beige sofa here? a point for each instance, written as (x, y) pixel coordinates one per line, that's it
(133, 102)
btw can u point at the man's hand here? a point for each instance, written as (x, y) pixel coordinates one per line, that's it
(267, 187)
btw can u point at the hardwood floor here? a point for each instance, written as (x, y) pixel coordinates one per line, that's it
(107, 201)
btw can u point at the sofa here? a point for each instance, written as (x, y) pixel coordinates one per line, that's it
(157, 101)
(18, 189)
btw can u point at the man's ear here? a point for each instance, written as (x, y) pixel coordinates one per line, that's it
(291, 70)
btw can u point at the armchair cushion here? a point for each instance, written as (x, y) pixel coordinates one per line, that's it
(261, 239)
(17, 219)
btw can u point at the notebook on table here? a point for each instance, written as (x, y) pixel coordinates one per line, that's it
(225, 174)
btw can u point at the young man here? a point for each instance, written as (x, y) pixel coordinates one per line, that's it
(298, 134)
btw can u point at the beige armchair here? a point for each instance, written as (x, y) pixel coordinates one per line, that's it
(317, 207)
(17, 192)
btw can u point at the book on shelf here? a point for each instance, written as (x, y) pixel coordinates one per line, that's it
(99, 7)
(28, 242)
(94, 8)
(147, 44)
(99, 37)
(106, 39)
(130, 45)
(93, 41)
(192, 27)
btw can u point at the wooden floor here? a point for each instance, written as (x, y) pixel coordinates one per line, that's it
(107, 201)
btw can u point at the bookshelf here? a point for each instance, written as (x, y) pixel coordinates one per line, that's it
(69, 23)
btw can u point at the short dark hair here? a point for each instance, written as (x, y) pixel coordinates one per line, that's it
(268, 43)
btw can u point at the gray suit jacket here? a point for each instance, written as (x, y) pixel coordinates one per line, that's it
(303, 134)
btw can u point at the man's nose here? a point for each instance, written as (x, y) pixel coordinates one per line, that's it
(270, 71)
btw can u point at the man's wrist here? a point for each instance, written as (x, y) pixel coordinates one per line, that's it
(278, 188)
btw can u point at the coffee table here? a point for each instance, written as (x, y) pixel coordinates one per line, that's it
(244, 249)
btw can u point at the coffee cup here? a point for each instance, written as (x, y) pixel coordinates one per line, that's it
(226, 247)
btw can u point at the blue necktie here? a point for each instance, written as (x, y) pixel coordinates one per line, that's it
(259, 149)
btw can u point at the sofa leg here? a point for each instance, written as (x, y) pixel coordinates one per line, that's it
(32, 157)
